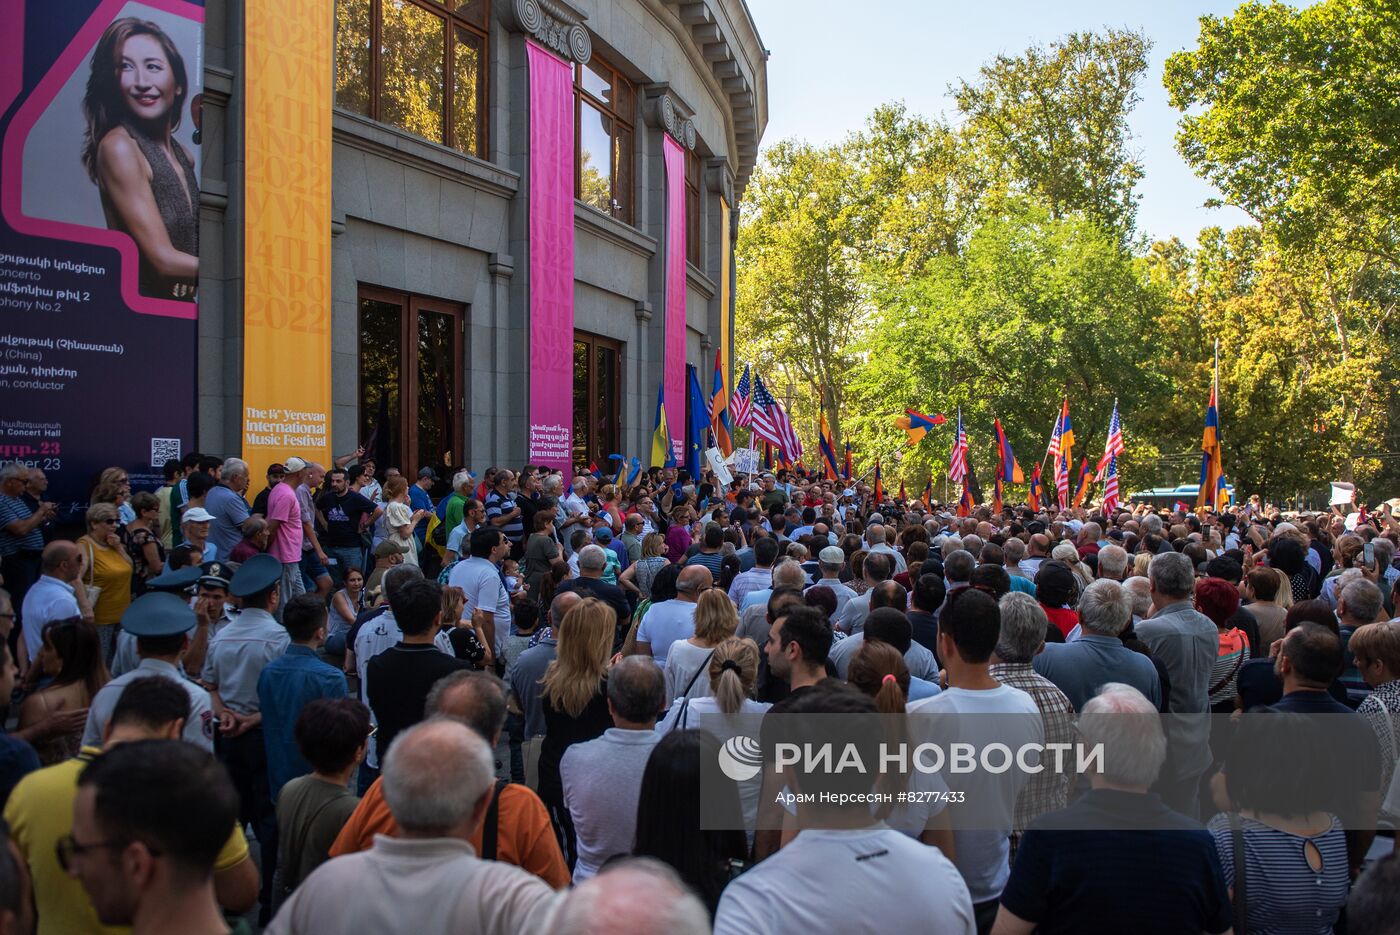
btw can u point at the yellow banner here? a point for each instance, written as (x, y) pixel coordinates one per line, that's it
(288, 73)
(726, 313)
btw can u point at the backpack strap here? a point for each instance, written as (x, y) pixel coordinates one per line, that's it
(1241, 896)
(490, 834)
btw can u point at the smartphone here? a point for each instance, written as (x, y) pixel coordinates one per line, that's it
(1369, 555)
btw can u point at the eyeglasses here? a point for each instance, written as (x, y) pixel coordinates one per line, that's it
(67, 847)
(106, 522)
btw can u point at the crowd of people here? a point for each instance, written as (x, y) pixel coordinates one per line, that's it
(450, 703)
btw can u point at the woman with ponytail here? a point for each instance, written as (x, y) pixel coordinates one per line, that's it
(878, 670)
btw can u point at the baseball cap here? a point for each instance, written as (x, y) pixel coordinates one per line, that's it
(389, 547)
(276, 468)
(197, 514)
(427, 472)
(295, 464)
(602, 534)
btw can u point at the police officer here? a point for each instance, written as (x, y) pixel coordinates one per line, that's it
(236, 657)
(160, 623)
(212, 611)
(178, 583)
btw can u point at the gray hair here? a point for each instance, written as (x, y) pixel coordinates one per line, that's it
(398, 576)
(1385, 552)
(951, 544)
(797, 551)
(1363, 600)
(788, 574)
(875, 534)
(1171, 573)
(476, 699)
(1140, 590)
(972, 544)
(1126, 724)
(1023, 627)
(1151, 524)
(592, 558)
(1094, 531)
(14, 471)
(637, 689)
(958, 565)
(461, 481)
(1014, 550)
(1113, 561)
(234, 467)
(553, 484)
(1105, 608)
(639, 895)
(434, 776)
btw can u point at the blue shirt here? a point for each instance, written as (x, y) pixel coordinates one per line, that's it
(14, 509)
(229, 511)
(17, 760)
(1080, 668)
(1067, 879)
(287, 685)
(418, 499)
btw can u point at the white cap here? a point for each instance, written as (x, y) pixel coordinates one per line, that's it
(197, 514)
(294, 464)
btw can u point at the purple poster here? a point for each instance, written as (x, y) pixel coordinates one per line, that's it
(99, 243)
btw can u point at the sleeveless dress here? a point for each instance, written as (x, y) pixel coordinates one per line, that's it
(178, 211)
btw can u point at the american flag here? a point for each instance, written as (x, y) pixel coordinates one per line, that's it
(1110, 488)
(1062, 480)
(770, 423)
(1114, 447)
(1054, 450)
(739, 404)
(957, 459)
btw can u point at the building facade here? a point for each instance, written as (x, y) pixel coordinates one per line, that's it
(430, 231)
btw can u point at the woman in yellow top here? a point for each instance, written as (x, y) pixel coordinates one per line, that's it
(109, 568)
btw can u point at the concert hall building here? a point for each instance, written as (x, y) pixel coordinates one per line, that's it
(445, 252)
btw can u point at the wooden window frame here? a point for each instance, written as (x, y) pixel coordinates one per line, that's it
(410, 307)
(453, 20)
(594, 342)
(627, 212)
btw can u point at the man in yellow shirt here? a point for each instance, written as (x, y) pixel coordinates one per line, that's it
(40, 813)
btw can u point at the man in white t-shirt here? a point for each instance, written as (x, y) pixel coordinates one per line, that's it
(845, 871)
(968, 628)
(673, 620)
(479, 577)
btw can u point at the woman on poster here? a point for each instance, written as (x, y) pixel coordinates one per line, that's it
(135, 96)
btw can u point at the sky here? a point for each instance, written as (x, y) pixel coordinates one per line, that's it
(832, 63)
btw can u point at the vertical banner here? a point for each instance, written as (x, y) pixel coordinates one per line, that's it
(287, 233)
(99, 246)
(551, 259)
(726, 313)
(673, 359)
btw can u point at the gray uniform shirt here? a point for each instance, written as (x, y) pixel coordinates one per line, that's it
(199, 726)
(238, 654)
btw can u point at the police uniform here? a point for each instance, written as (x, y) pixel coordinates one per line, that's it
(179, 582)
(153, 615)
(236, 657)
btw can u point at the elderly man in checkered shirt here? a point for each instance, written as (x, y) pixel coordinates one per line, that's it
(1023, 624)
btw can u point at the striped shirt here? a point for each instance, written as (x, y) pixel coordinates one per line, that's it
(1231, 655)
(498, 505)
(13, 509)
(1286, 895)
(1381, 709)
(1047, 790)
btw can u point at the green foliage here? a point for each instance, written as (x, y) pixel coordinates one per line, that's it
(995, 266)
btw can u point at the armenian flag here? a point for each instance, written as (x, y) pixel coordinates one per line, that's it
(879, 487)
(719, 409)
(965, 501)
(928, 494)
(996, 493)
(902, 497)
(1212, 489)
(1008, 468)
(916, 424)
(1084, 480)
(847, 468)
(1037, 490)
(828, 450)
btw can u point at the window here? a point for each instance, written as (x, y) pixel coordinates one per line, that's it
(597, 399)
(606, 104)
(410, 383)
(419, 65)
(692, 208)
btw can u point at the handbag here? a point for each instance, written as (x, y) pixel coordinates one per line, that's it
(93, 591)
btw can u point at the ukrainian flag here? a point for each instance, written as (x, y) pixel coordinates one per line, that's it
(662, 454)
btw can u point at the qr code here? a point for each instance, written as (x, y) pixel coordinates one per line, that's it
(164, 449)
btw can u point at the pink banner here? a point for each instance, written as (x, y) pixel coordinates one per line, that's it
(552, 259)
(673, 374)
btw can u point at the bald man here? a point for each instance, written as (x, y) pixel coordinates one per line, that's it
(54, 596)
(673, 620)
(639, 895)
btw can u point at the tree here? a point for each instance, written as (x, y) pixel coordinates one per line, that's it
(1053, 123)
(799, 291)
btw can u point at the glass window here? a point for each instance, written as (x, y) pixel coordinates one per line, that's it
(395, 64)
(410, 373)
(597, 400)
(606, 110)
(692, 208)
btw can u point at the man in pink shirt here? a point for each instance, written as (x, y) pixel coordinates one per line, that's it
(285, 530)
